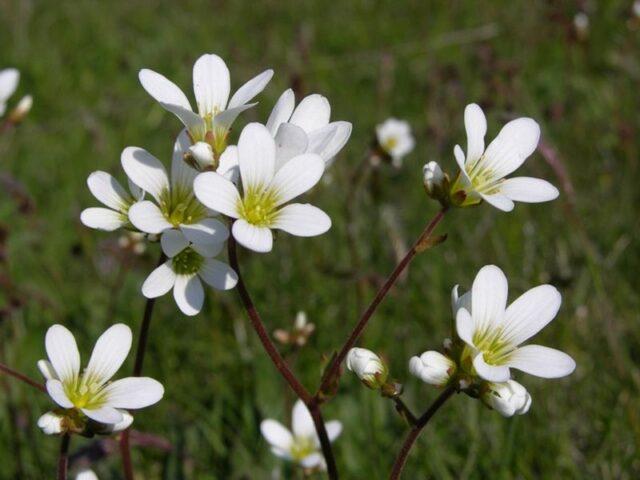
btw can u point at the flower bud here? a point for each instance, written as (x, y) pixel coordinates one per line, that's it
(368, 367)
(433, 368)
(51, 423)
(507, 398)
(202, 153)
(86, 474)
(433, 176)
(21, 110)
(107, 429)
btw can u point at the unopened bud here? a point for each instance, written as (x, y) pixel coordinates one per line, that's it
(436, 182)
(107, 429)
(21, 110)
(86, 474)
(368, 366)
(202, 154)
(52, 423)
(433, 368)
(507, 398)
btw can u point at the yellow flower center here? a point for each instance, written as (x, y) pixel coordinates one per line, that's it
(390, 143)
(180, 206)
(494, 347)
(259, 207)
(85, 392)
(302, 447)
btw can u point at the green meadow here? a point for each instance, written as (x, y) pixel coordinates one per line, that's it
(422, 61)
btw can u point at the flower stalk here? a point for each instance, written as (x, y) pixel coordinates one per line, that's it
(63, 457)
(23, 378)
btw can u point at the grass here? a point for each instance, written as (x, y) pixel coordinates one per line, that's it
(422, 61)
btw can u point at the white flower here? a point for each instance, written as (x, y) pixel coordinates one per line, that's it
(636, 8)
(306, 128)
(52, 423)
(395, 138)
(175, 204)
(368, 366)
(581, 24)
(264, 192)
(91, 392)
(432, 177)
(211, 85)
(433, 368)
(482, 172)
(188, 263)
(301, 445)
(86, 474)
(9, 78)
(110, 193)
(494, 332)
(508, 398)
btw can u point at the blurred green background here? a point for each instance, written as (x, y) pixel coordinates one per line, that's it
(418, 60)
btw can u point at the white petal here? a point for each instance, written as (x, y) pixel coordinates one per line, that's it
(297, 176)
(257, 156)
(218, 274)
(136, 192)
(56, 392)
(9, 78)
(170, 97)
(312, 113)
(250, 89)
(62, 352)
(189, 294)
(302, 220)
(276, 434)
(465, 326)
(530, 190)
(206, 231)
(492, 373)
(542, 361)
(516, 141)
(127, 420)
(258, 239)
(313, 460)
(458, 302)
(182, 175)
(147, 217)
(459, 156)
(475, 124)
(489, 297)
(498, 200)
(228, 165)
(301, 421)
(320, 138)
(160, 281)
(103, 219)
(87, 475)
(211, 84)
(109, 353)
(334, 429)
(337, 141)
(47, 370)
(226, 118)
(291, 141)
(134, 392)
(105, 414)
(208, 250)
(145, 170)
(530, 313)
(108, 191)
(173, 242)
(281, 112)
(218, 193)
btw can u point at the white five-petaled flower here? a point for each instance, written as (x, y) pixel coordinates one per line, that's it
(306, 128)
(493, 332)
(9, 78)
(482, 173)
(395, 138)
(264, 192)
(368, 366)
(175, 203)
(91, 391)
(188, 263)
(300, 445)
(433, 368)
(211, 86)
(507, 398)
(110, 193)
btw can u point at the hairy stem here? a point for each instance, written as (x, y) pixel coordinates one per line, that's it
(404, 410)
(23, 378)
(415, 431)
(281, 365)
(141, 349)
(63, 457)
(332, 371)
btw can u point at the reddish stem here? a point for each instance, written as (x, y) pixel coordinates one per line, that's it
(24, 378)
(63, 458)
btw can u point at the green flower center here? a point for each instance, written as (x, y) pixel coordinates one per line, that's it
(187, 262)
(495, 348)
(85, 392)
(180, 206)
(302, 447)
(259, 207)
